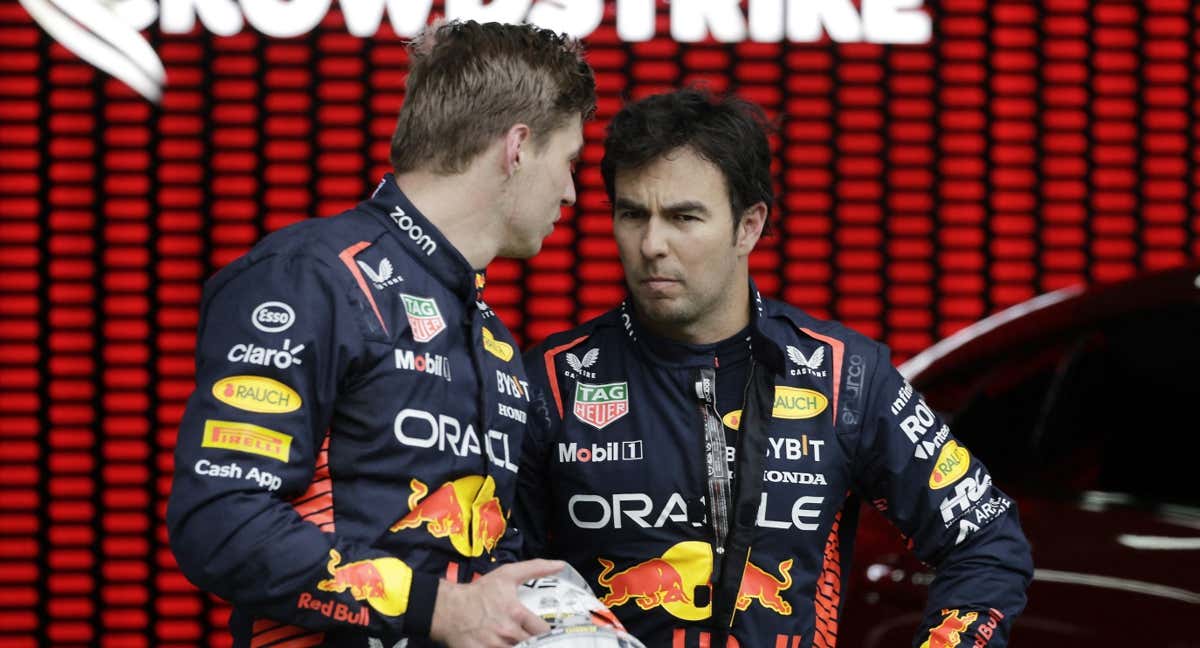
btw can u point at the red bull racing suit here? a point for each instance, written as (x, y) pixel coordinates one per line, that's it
(703, 519)
(354, 433)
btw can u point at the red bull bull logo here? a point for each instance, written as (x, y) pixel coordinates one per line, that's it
(649, 584)
(760, 585)
(441, 511)
(947, 634)
(465, 510)
(668, 581)
(383, 583)
(489, 525)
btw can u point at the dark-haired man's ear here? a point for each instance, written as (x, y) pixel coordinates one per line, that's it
(750, 228)
(515, 141)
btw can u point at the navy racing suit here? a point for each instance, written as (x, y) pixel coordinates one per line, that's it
(354, 433)
(699, 524)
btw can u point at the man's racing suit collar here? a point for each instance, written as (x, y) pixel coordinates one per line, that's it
(424, 242)
(749, 341)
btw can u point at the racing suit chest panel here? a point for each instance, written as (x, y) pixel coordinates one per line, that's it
(423, 405)
(622, 510)
(628, 462)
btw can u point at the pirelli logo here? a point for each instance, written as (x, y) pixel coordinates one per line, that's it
(246, 437)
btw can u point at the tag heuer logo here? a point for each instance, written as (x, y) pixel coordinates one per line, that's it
(424, 318)
(599, 405)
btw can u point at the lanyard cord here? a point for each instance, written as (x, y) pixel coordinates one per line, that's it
(719, 488)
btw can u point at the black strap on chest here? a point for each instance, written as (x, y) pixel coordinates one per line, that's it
(729, 561)
(719, 491)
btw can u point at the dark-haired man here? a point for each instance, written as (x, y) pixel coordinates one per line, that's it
(346, 466)
(698, 453)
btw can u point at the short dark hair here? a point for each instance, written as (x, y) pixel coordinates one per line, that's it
(727, 131)
(469, 82)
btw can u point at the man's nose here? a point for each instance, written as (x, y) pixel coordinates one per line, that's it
(654, 238)
(568, 197)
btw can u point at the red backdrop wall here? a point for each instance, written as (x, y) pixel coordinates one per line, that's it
(921, 187)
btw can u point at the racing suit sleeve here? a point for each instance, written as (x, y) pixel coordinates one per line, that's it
(533, 506)
(942, 499)
(246, 518)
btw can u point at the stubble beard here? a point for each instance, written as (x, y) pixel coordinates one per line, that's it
(668, 314)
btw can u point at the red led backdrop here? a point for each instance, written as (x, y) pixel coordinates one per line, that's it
(921, 188)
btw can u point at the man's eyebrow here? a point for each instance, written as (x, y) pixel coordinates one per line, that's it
(673, 208)
(627, 204)
(686, 206)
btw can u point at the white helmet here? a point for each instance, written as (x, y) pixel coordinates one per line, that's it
(577, 618)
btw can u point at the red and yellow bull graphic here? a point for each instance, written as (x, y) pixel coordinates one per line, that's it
(762, 586)
(952, 463)
(384, 583)
(465, 510)
(948, 633)
(733, 419)
(668, 581)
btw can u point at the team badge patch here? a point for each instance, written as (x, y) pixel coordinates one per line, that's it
(424, 318)
(498, 348)
(951, 465)
(246, 437)
(599, 405)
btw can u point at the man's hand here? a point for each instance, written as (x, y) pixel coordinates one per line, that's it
(487, 613)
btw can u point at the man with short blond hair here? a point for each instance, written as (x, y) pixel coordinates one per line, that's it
(346, 466)
(477, 84)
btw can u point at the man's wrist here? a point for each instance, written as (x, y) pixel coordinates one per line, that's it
(448, 598)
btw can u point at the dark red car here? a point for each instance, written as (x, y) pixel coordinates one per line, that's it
(1085, 405)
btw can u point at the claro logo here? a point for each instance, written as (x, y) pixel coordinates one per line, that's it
(105, 32)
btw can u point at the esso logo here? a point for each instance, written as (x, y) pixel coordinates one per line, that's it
(273, 317)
